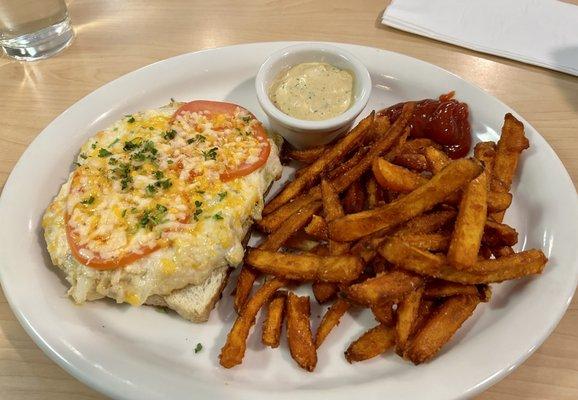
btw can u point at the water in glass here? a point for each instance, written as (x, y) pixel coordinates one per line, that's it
(34, 29)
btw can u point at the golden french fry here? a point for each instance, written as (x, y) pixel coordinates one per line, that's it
(330, 320)
(380, 127)
(308, 155)
(469, 228)
(328, 158)
(498, 201)
(331, 204)
(421, 262)
(416, 162)
(321, 250)
(502, 251)
(436, 159)
(324, 291)
(511, 144)
(354, 199)
(274, 321)
(310, 267)
(424, 241)
(407, 312)
(383, 313)
(297, 221)
(333, 210)
(273, 221)
(497, 235)
(456, 175)
(374, 193)
(387, 286)
(396, 149)
(486, 152)
(347, 165)
(485, 293)
(299, 333)
(301, 241)
(371, 344)
(426, 308)
(418, 146)
(396, 178)
(426, 223)
(438, 288)
(440, 327)
(233, 351)
(317, 227)
(245, 281)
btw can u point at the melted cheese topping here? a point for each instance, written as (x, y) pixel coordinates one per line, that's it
(133, 190)
(110, 219)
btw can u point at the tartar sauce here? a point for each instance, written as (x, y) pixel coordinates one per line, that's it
(312, 91)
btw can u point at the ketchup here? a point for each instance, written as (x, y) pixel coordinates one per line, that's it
(445, 121)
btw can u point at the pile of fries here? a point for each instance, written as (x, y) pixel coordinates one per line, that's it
(392, 224)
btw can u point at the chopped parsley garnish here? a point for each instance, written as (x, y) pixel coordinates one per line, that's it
(104, 153)
(122, 172)
(200, 191)
(90, 200)
(170, 162)
(151, 218)
(130, 120)
(165, 184)
(115, 141)
(123, 212)
(148, 152)
(93, 146)
(169, 135)
(217, 216)
(112, 161)
(151, 189)
(132, 144)
(196, 214)
(198, 348)
(210, 154)
(125, 183)
(246, 119)
(197, 138)
(159, 174)
(83, 156)
(222, 195)
(198, 210)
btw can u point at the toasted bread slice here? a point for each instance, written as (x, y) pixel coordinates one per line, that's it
(194, 302)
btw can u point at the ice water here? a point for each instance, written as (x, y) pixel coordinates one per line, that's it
(34, 29)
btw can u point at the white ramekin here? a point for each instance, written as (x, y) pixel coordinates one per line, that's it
(302, 133)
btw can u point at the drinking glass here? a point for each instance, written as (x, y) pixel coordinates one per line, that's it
(34, 29)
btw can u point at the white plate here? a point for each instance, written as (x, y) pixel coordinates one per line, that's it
(140, 353)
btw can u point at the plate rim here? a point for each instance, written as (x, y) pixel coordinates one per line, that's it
(99, 385)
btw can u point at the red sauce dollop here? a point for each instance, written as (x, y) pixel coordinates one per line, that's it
(445, 121)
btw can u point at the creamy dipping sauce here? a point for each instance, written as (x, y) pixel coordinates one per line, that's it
(313, 91)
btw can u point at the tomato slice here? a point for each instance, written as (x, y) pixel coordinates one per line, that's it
(96, 261)
(219, 107)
